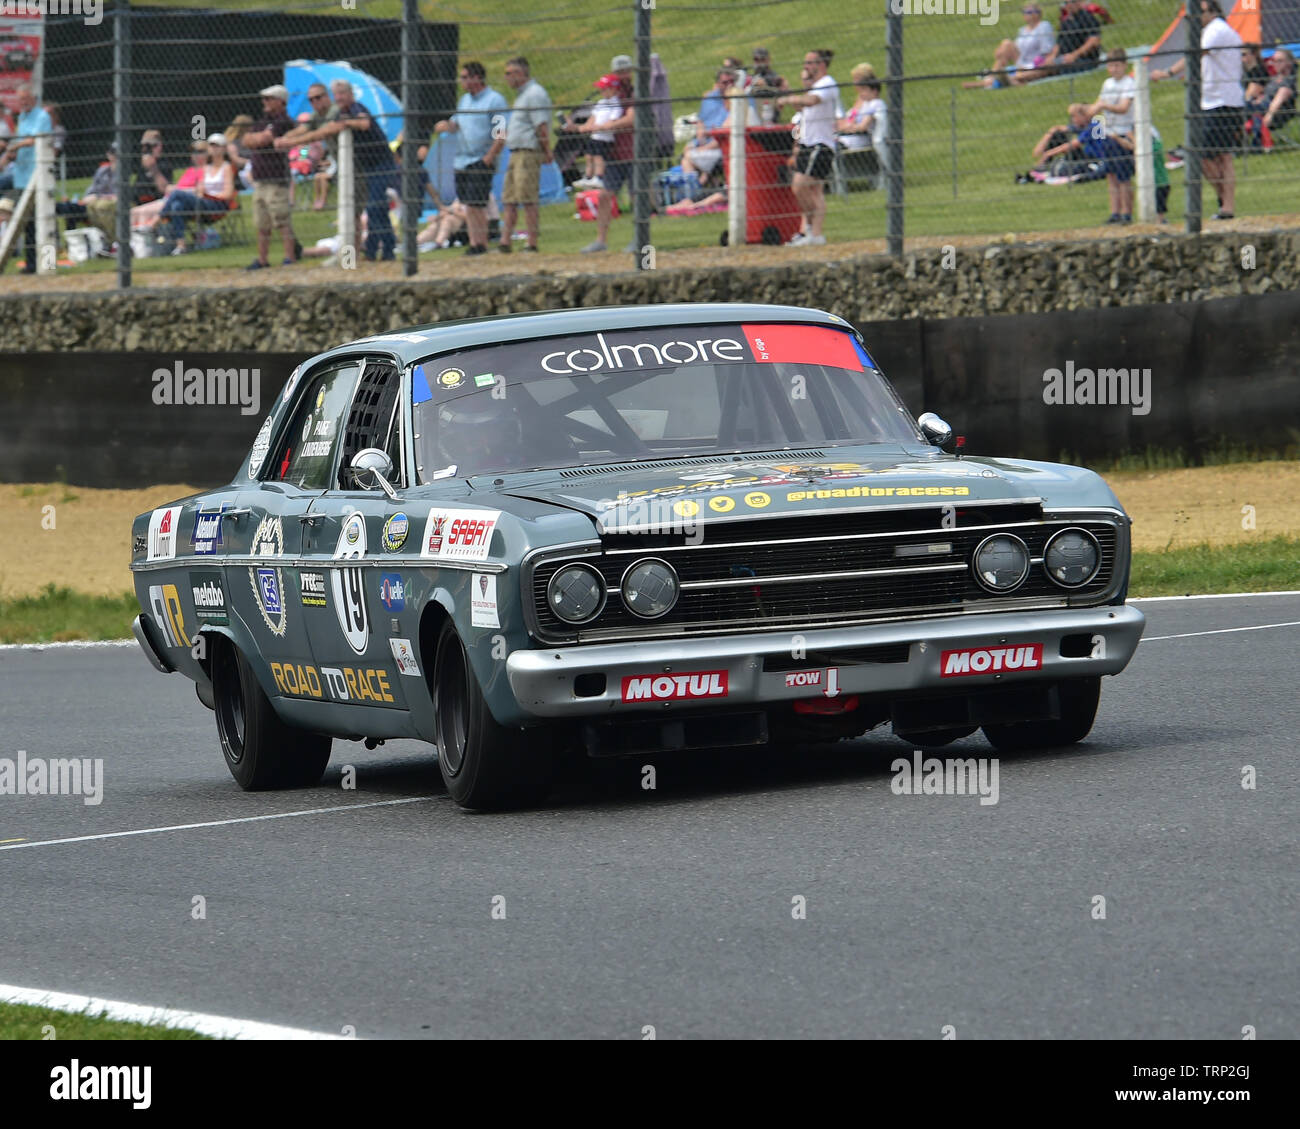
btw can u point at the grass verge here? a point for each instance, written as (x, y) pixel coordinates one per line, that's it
(60, 614)
(22, 1021)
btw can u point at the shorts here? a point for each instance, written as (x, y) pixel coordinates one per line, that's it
(1218, 130)
(522, 177)
(600, 148)
(1162, 199)
(474, 185)
(1119, 161)
(271, 205)
(617, 174)
(815, 161)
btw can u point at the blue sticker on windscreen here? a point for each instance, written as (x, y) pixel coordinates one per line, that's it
(866, 357)
(420, 386)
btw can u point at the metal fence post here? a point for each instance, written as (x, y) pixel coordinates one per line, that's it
(737, 184)
(1144, 173)
(47, 230)
(646, 139)
(894, 125)
(410, 143)
(122, 130)
(1195, 123)
(347, 204)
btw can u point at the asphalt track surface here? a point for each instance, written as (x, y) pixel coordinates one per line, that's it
(673, 908)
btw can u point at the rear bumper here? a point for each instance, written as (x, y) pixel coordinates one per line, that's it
(157, 659)
(609, 680)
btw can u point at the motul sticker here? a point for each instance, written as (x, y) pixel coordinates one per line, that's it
(675, 687)
(990, 660)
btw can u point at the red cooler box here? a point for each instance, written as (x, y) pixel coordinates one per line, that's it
(772, 215)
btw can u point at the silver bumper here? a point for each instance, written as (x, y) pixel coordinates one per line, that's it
(543, 681)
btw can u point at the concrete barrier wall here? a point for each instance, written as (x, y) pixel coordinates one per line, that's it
(1220, 373)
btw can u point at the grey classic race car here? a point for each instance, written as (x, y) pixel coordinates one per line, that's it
(623, 531)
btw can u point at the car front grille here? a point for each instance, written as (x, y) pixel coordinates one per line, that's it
(827, 570)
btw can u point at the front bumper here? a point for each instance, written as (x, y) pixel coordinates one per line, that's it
(566, 682)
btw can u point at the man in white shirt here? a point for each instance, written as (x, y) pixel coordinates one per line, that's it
(1222, 103)
(815, 156)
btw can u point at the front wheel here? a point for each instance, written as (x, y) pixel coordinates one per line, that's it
(484, 765)
(1079, 697)
(261, 751)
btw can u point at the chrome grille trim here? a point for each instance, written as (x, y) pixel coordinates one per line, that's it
(850, 574)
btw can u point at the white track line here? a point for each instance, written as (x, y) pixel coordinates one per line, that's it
(1216, 631)
(216, 823)
(82, 644)
(1210, 596)
(218, 1026)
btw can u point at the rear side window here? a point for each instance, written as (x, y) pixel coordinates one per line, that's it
(311, 448)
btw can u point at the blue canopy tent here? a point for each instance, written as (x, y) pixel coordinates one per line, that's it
(442, 174)
(382, 103)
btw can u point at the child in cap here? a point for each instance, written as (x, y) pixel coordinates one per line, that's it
(601, 141)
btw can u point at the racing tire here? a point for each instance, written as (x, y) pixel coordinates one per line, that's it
(937, 738)
(261, 751)
(485, 766)
(1079, 697)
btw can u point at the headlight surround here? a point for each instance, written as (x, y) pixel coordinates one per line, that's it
(1072, 558)
(650, 588)
(576, 593)
(1000, 563)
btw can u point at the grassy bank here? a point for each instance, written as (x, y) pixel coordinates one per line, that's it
(60, 614)
(21, 1021)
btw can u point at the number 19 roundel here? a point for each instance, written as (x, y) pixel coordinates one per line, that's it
(349, 585)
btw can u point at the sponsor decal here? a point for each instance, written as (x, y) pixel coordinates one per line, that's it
(878, 492)
(804, 678)
(675, 687)
(320, 398)
(803, 345)
(205, 537)
(209, 592)
(757, 499)
(451, 378)
(163, 527)
(291, 384)
(392, 592)
(404, 656)
(165, 603)
(459, 535)
(348, 584)
(311, 589)
(139, 543)
(483, 601)
(990, 660)
(268, 581)
(686, 508)
(484, 380)
(395, 530)
(261, 445)
(334, 683)
(620, 352)
(722, 504)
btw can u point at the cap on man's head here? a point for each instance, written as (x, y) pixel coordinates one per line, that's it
(216, 139)
(276, 91)
(621, 63)
(761, 53)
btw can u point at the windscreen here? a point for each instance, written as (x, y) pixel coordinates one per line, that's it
(629, 395)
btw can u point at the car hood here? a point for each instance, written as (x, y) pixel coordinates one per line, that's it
(739, 485)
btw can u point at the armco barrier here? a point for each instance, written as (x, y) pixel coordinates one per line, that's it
(1221, 373)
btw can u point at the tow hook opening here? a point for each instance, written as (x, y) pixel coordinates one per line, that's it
(825, 706)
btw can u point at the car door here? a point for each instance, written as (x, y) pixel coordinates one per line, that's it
(275, 523)
(352, 529)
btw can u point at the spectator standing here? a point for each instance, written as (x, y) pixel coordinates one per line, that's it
(479, 117)
(815, 156)
(271, 177)
(619, 167)
(713, 106)
(1078, 43)
(1218, 128)
(21, 153)
(600, 143)
(528, 138)
(375, 166)
(1116, 100)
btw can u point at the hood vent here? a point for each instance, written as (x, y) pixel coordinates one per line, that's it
(695, 460)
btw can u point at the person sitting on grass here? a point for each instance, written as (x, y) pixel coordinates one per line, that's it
(1015, 64)
(1084, 153)
(1078, 43)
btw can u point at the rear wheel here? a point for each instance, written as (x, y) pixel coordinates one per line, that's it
(261, 751)
(484, 765)
(1079, 697)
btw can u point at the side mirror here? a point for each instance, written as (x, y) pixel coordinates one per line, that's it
(936, 431)
(374, 464)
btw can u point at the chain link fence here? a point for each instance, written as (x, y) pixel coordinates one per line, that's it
(670, 125)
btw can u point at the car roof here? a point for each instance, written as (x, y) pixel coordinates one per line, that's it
(452, 336)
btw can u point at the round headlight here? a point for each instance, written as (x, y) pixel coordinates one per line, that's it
(1001, 562)
(1072, 558)
(576, 593)
(650, 588)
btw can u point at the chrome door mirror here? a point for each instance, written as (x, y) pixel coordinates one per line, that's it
(935, 430)
(375, 465)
